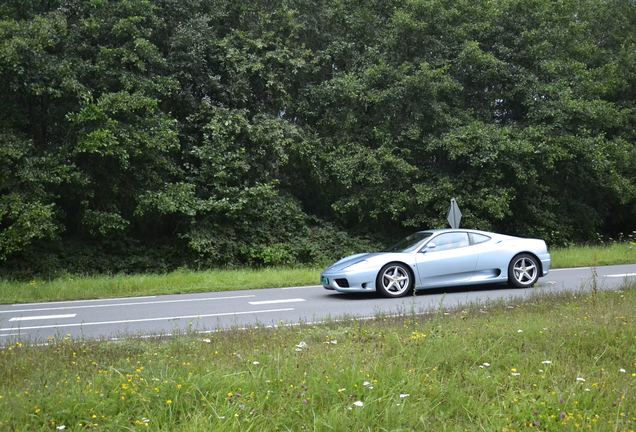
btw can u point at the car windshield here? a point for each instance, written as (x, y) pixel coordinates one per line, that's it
(410, 243)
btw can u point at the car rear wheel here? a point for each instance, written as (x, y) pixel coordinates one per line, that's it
(394, 280)
(523, 271)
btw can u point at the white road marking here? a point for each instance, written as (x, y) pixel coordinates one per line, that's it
(570, 268)
(42, 317)
(9, 334)
(148, 319)
(621, 275)
(302, 287)
(81, 301)
(128, 304)
(263, 302)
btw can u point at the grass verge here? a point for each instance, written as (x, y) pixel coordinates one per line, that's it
(565, 363)
(177, 282)
(583, 256)
(187, 281)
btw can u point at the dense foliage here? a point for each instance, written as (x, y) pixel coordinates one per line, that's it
(138, 134)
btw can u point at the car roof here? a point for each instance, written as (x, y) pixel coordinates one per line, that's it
(447, 230)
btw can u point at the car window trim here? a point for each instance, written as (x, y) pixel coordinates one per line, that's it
(423, 248)
(470, 240)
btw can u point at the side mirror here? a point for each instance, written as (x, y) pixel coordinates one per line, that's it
(430, 246)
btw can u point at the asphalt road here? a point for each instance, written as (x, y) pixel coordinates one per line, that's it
(169, 314)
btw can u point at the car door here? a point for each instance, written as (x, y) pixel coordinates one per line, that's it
(451, 261)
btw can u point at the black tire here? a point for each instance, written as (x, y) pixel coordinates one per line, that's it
(523, 271)
(394, 280)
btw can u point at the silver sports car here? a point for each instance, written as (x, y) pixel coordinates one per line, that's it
(441, 258)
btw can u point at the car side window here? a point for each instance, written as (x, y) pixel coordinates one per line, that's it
(450, 241)
(477, 238)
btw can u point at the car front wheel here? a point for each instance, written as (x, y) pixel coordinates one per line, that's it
(523, 271)
(394, 280)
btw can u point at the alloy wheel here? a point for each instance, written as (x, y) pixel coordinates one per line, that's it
(396, 280)
(525, 271)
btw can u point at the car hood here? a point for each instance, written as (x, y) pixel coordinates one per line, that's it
(350, 260)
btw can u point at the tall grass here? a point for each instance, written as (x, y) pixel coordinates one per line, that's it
(548, 364)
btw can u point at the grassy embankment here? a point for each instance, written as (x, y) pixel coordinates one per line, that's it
(600, 255)
(566, 363)
(185, 281)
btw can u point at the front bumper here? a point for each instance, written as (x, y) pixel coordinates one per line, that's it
(344, 281)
